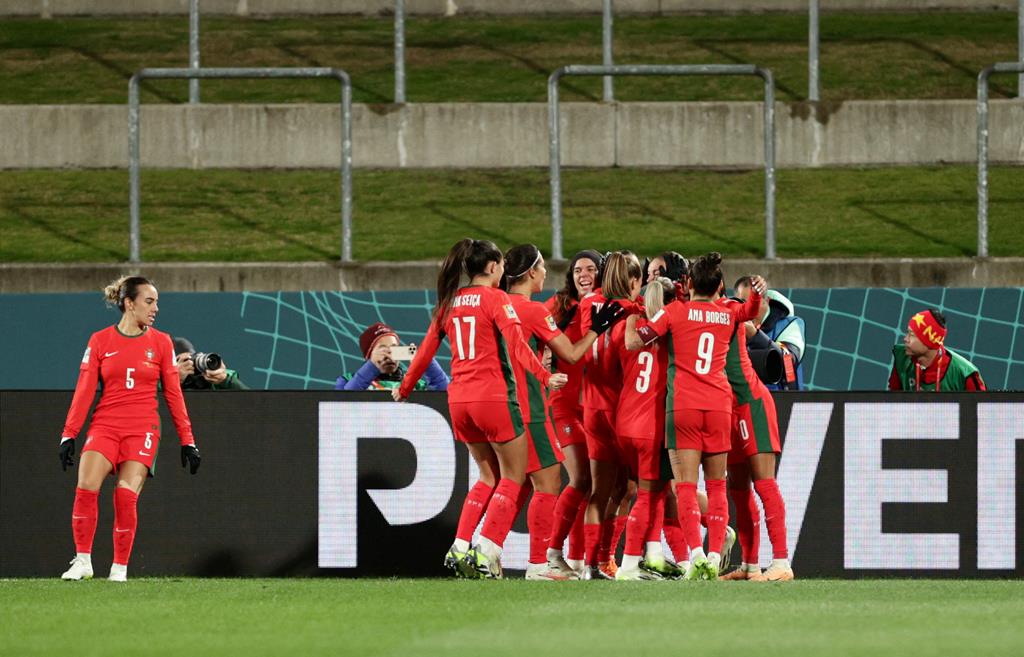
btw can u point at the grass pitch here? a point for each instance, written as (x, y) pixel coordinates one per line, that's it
(515, 618)
(227, 215)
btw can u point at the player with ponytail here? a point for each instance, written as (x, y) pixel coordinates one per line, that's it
(486, 337)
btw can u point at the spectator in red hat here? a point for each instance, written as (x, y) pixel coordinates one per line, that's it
(923, 362)
(383, 368)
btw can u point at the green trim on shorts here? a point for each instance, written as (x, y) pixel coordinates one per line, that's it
(670, 380)
(542, 443)
(534, 390)
(762, 432)
(514, 411)
(734, 372)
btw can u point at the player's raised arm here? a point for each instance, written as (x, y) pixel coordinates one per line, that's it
(420, 362)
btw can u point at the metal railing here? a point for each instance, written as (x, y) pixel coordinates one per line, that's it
(1002, 67)
(193, 49)
(607, 27)
(400, 52)
(237, 73)
(813, 41)
(554, 133)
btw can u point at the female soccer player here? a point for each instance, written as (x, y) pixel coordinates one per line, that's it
(754, 455)
(699, 403)
(485, 335)
(131, 358)
(524, 276)
(602, 383)
(582, 277)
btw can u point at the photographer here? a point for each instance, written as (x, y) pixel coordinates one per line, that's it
(380, 346)
(784, 330)
(201, 371)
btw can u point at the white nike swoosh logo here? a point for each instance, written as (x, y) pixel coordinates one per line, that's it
(79, 517)
(144, 454)
(109, 354)
(122, 530)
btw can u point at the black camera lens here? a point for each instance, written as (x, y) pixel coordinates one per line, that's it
(203, 362)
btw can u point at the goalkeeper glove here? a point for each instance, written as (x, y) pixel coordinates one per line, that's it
(567, 317)
(67, 453)
(602, 320)
(190, 456)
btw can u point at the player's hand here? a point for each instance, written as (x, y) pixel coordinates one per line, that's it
(602, 319)
(567, 317)
(396, 394)
(682, 292)
(217, 376)
(558, 381)
(190, 457)
(759, 284)
(185, 366)
(67, 453)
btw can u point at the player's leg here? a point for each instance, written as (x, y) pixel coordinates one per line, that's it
(93, 468)
(714, 465)
(748, 520)
(473, 507)
(570, 505)
(763, 470)
(685, 464)
(503, 508)
(131, 476)
(604, 472)
(618, 508)
(540, 519)
(639, 522)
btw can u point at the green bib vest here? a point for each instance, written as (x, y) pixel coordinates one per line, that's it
(953, 380)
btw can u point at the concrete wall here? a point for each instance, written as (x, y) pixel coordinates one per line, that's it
(508, 135)
(50, 8)
(297, 276)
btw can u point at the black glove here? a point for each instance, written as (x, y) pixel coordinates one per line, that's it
(190, 456)
(567, 317)
(67, 453)
(602, 320)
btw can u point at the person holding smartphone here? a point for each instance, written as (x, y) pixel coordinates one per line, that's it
(383, 369)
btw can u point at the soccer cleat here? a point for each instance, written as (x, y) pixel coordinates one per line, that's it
(609, 568)
(594, 572)
(118, 573)
(636, 574)
(544, 572)
(476, 565)
(701, 568)
(559, 565)
(742, 574)
(730, 540)
(452, 559)
(81, 568)
(663, 568)
(778, 574)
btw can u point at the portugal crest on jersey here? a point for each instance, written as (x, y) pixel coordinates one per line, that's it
(149, 354)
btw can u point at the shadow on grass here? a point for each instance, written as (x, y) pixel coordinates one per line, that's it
(714, 48)
(22, 212)
(907, 228)
(371, 95)
(699, 229)
(125, 74)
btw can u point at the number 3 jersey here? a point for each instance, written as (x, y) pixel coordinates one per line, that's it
(130, 369)
(699, 333)
(484, 333)
(641, 411)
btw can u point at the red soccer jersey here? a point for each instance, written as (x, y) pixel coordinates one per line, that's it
(539, 328)
(746, 385)
(565, 402)
(130, 368)
(485, 335)
(699, 333)
(602, 379)
(641, 411)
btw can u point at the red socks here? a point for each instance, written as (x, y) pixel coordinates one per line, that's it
(748, 521)
(501, 512)
(472, 510)
(718, 513)
(774, 515)
(540, 518)
(126, 520)
(83, 519)
(577, 538)
(604, 546)
(689, 516)
(591, 537)
(657, 516)
(639, 520)
(566, 510)
(620, 527)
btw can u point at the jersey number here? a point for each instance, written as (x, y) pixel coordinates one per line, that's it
(597, 309)
(471, 323)
(643, 379)
(149, 440)
(744, 432)
(129, 382)
(705, 349)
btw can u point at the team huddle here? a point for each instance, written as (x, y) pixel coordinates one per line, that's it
(632, 381)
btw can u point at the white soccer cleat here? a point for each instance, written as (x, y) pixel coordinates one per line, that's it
(81, 568)
(544, 572)
(558, 563)
(730, 540)
(636, 574)
(118, 573)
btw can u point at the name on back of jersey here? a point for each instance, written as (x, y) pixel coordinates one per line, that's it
(709, 316)
(468, 300)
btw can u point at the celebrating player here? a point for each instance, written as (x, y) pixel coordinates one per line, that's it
(484, 331)
(524, 276)
(582, 277)
(699, 402)
(131, 359)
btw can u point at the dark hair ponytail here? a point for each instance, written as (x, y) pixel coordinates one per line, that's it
(706, 273)
(519, 261)
(469, 256)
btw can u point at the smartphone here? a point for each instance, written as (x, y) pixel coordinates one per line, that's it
(403, 352)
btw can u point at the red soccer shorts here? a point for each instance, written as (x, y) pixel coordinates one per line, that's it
(543, 449)
(755, 430)
(118, 445)
(646, 458)
(600, 430)
(569, 431)
(705, 431)
(485, 422)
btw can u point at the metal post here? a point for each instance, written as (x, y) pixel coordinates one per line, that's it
(236, 73)
(813, 38)
(606, 49)
(400, 51)
(1020, 46)
(554, 131)
(1004, 67)
(193, 49)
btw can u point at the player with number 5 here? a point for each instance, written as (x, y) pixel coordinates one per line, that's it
(699, 400)
(131, 359)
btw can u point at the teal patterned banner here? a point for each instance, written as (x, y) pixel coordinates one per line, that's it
(305, 340)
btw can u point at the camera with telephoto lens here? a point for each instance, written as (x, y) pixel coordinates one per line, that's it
(203, 362)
